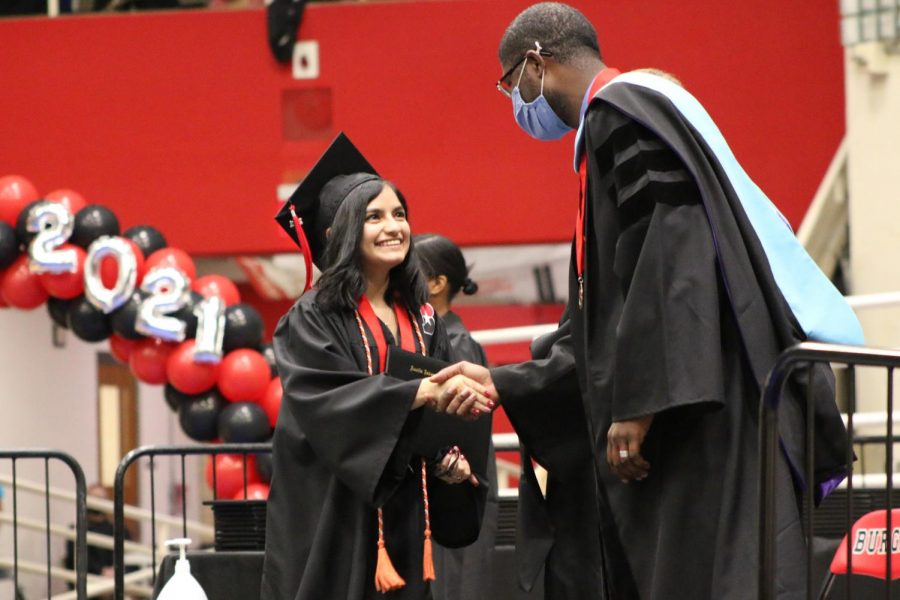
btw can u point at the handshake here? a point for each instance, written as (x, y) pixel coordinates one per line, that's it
(464, 389)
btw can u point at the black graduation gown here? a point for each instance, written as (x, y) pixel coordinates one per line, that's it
(465, 573)
(557, 534)
(342, 448)
(686, 328)
(462, 346)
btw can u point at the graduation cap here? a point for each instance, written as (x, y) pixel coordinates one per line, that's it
(309, 212)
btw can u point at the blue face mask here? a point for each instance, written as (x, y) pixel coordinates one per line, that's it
(537, 118)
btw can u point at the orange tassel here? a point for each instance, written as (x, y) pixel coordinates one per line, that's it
(427, 560)
(386, 577)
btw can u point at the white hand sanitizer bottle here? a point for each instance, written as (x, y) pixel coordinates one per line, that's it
(181, 585)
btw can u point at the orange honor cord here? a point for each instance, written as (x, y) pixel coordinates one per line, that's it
(427, 559)
(387, 579)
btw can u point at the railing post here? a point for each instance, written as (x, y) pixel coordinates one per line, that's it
(80, 511)
(768, 448)
(812, 353)
(119, 493)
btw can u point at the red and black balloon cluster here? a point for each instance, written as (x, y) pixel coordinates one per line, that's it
(170, 327)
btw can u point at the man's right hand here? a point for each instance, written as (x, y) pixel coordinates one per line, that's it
(459, 400)
(623, 448)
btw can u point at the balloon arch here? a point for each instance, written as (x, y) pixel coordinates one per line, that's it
(192, 335)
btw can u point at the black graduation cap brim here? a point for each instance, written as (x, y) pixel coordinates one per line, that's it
(341, 158)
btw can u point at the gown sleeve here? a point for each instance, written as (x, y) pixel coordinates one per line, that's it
(359, 426)
(668, 343)
(456, 511)
(542, 399)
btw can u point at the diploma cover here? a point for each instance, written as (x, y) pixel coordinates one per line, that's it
(437, 430)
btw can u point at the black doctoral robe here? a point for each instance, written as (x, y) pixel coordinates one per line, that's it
(342, 448)
(683, 325)
(466, 573)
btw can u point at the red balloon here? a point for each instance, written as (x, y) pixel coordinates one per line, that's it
(22, 288)
(66, 285)
(255, 491)
(3, 303)
(244, 375)
(68, 198)
(230, 474)
(15, 193)
(271, 400)
(187, 376)
(172, 257)
(217, 285)
(121, 348)
(148, 360)
(109, 267)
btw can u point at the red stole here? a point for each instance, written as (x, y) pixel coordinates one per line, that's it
(404, 328)
(602, 78)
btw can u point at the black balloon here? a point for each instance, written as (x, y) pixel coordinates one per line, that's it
(264, 466)
(174, 398)
(186, 314)
(22, 232)
(9, 245)
(88, 322)
(59, 310)
(268, 351)
(199, 415)
(243, 422)
(147, 238)
(122, 319)
(92, 222)
(243, 328)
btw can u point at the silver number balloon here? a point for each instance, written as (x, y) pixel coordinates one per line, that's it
(210, 330)
(169, 291)
(98, 294)
(53, 224)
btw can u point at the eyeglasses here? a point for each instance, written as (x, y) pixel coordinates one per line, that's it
(506, 87)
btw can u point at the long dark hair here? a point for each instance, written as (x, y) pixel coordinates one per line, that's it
(440, 256)
(343, 282)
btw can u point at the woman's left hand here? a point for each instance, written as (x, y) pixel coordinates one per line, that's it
(454, 468)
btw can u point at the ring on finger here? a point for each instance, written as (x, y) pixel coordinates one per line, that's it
(623, 454)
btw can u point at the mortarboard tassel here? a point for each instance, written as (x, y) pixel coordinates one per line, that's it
(304, 248)
(427, 559)
(386, 577)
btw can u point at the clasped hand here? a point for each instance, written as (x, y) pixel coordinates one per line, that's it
(465, 390)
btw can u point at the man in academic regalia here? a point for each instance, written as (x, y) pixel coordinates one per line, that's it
(685, 285)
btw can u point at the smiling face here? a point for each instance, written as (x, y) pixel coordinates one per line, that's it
(385, 236)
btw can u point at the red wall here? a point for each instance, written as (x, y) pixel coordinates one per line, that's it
(175, 119)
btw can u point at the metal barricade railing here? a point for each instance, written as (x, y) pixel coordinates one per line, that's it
(80, 546)
(151, 453)
(791, 360)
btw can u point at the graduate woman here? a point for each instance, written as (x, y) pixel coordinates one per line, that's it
(353, 507)
(462, 573)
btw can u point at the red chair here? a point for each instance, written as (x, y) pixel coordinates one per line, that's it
(869, 551)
